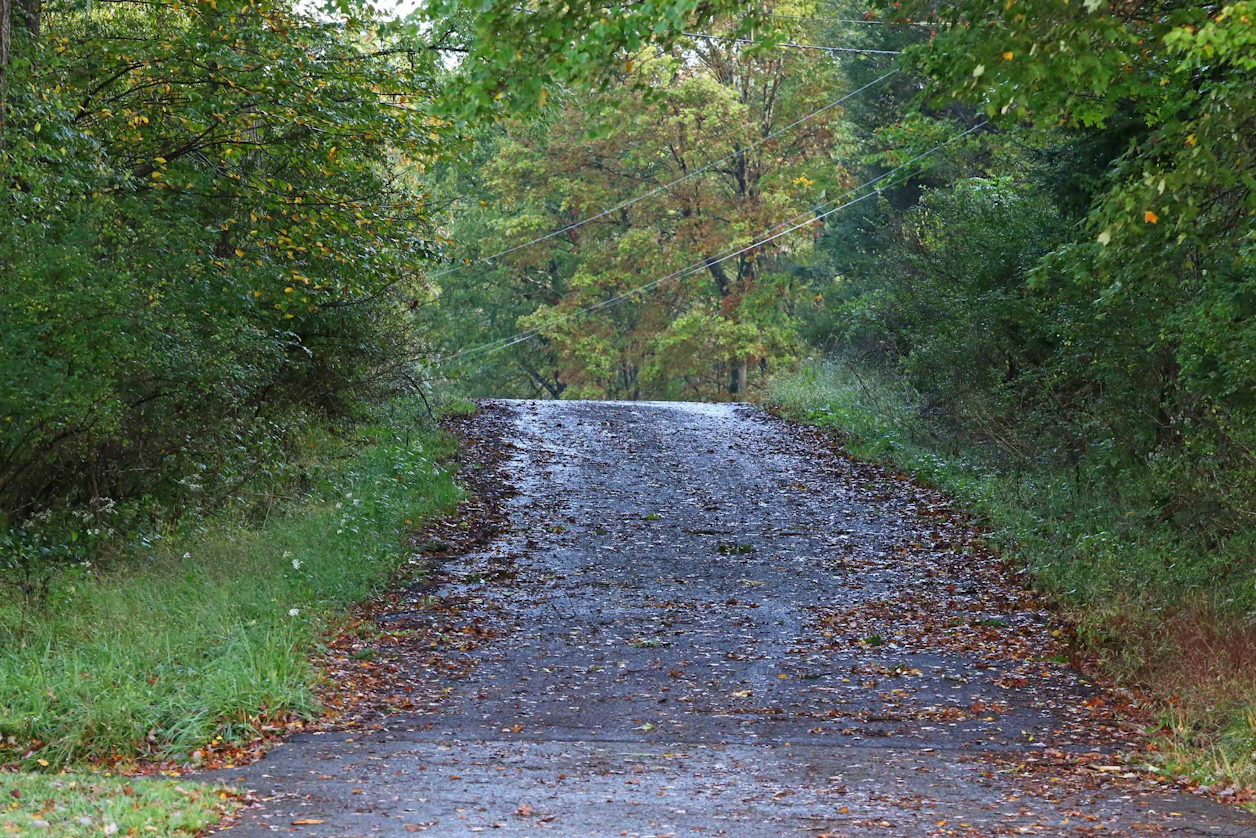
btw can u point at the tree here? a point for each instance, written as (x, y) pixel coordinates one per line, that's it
(1123, 326)
(717, 125)
(210, 242)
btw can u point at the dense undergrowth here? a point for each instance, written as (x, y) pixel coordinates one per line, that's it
(1162, 606)
(203, 636)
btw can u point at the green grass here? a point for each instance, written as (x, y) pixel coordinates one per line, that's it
(207, 637)
(81, 805)
(1164, 609)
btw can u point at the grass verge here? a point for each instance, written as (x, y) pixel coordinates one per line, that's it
(1164, 610)
(199, 646)
(80, 806)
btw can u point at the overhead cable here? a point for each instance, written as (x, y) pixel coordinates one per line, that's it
(791, 45)
(666, 186)
(862, 20)
(707, 263)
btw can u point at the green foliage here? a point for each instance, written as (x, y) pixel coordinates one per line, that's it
(1078, 295)
(210, 634)
(518, 57)
(211, 241)
(712, 123)
(1054, 324)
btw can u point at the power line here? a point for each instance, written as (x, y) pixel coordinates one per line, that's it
(696, 267)
(667, 186)
(689, 270)
(868, 21)
(791, 45)
(706, 263)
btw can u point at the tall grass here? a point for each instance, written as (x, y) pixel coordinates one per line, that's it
(209, 634)
(1167, 610)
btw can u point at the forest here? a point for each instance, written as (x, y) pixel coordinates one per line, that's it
(251, 249)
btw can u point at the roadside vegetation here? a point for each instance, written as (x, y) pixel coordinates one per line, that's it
(1162, 607)
(216, 282)
(73, 806)
(197, 643)
(201, 640)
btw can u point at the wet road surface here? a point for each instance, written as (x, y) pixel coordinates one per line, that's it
(706, 621)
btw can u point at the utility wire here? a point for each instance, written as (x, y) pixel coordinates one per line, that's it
(792, 45)
(868, 21)
(705, 264)
(667, 186)
(696, 267)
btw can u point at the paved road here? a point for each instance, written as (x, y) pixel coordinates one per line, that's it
(710, 623)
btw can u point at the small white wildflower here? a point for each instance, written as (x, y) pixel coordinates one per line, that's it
(296, 564)
(292, 612)
(187, 555)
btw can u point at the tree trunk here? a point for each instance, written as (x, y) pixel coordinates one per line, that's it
(737, 378)
(32, 16)
(29, 14)
(5, 30)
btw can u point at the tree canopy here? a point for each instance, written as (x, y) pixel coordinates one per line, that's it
(228, 224)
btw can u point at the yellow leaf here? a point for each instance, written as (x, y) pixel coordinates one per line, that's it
(239, 252)
(1008, 56)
